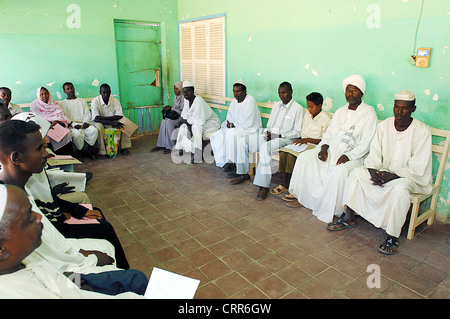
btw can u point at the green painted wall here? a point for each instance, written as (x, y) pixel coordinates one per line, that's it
(316, 44)
(40, 48)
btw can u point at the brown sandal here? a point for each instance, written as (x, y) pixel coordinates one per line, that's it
(289, 198)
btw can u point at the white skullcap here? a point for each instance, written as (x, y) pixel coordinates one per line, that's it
(356, 80)
(187, 84)
(405, 96)
(39, 120)
(240, 81)
(3, 199)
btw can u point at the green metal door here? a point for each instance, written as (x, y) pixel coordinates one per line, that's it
(139, 71)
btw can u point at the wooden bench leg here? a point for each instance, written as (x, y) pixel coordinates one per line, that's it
(412, 222)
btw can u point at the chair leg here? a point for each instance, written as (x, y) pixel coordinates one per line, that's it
(412, 222)
(433, 205)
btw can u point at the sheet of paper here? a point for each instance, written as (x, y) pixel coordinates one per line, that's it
(75, 179)
(62, 160)
(58, 132)
(164, 284)
(128, 126)
(296, 149)
(57, 145)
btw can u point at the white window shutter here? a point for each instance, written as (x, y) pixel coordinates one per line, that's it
(202, 55)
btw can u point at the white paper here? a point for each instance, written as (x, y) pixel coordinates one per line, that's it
(297, 148)
(164, 284)
(75, 179)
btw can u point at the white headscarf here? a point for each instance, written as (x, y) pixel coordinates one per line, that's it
(356, 80)
(39, 120)
(3, 200)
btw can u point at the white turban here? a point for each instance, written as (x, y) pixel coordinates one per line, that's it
(356, 80)
(3, 199)
(187, 84)
(405, 96)
(39, 120)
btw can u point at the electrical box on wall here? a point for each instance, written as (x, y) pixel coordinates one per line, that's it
(423, 57)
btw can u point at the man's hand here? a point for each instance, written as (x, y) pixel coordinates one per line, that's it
(323, 154)
(381, 177)
(63, 188)
(117, 124)
(103, 259)
(94, 214)
(299, 141)
(343, 159)
(85, 125)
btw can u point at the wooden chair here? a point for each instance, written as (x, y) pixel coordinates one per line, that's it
(441, 152)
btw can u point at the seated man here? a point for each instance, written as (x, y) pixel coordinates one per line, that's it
(315, 123)
(197, 119)
(106, 112)
(57, 210)
(19, 142)
(20, 234)
(6, 96)
(320, 174)
(5, 114)
(243, 115)
(399, 164)
(284, 125)
(84, 134)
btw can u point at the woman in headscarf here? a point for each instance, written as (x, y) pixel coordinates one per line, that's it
(171, 119)
(45, 106)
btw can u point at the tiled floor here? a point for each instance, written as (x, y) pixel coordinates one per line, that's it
(189, 220)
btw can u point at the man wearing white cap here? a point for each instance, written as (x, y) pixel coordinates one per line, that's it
(320, 174)
(243, 118)
(197, 119)
(399, 163)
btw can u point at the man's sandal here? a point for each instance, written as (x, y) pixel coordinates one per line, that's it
(278, 190)
(341, 224)
(390, 246)
(289, 198)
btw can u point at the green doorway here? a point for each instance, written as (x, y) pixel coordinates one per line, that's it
(138, 52)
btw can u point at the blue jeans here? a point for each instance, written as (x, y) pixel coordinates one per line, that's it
(117, 281)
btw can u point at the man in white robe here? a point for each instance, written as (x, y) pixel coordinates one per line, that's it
(6, 96)
(84, 133)
(399, 164)
(243, 117)
(284, 125)
(106, 112)
(320, 174)
(197, 119)
(20, 235)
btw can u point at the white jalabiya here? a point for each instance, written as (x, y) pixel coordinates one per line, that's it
(100, 108)
(202, 120)
(78, 112)
(63, 253)
(40, 280)
(246, 118)
(319, 185)
(286, 122)
(407, 154)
